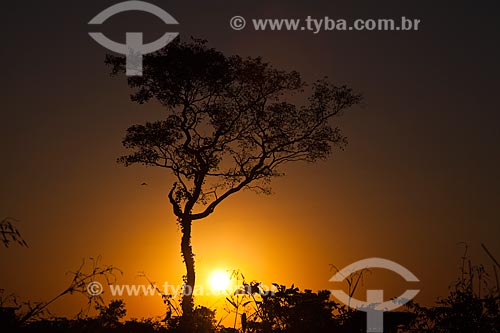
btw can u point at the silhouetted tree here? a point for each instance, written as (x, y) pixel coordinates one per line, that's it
(229, 126)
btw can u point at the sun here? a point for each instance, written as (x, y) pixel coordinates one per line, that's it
(219, 281)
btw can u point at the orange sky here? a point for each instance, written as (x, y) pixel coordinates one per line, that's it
(420, 173)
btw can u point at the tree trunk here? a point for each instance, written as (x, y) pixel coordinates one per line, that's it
(189, 279)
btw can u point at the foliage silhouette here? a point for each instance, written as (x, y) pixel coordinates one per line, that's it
(203, 321)
(283, 309)
(229, 126)
(111, 314)
(289, 310)
(471, 306)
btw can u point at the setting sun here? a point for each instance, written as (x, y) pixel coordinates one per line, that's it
(219, 281)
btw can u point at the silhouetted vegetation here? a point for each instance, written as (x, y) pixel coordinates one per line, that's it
(472, 306)
(289, 310)
(109, 319)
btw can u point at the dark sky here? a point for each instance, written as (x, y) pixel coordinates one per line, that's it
(420, 173)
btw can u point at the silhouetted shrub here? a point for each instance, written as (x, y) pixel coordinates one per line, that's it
(471, 306)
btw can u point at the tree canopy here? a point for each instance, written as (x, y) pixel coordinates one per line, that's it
(230, 126)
